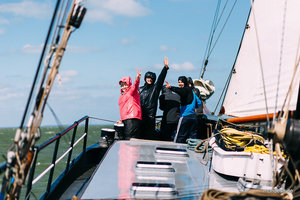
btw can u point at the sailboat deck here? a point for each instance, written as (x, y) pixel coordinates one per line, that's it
(147, 169)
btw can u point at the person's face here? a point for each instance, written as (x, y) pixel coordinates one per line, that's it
(149, 81)
(190, 85)
(124, 86)
(180, 84)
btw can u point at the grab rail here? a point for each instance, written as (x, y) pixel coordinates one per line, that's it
(56, 139)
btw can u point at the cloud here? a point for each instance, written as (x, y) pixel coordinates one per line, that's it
(5, 94)
(106, 10)
(186, 66)
(4, 20)
(37, 49)
(2, 31)
(80, 49)
(126, 41)
(31, 49)
(165, 48)
(27, 8)
(66, 76)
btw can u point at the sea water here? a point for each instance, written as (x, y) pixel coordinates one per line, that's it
(44, 158)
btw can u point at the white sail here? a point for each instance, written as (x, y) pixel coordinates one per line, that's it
(278, 30)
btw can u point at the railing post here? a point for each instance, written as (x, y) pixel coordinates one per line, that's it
(71, 145)
(85, 131)
(31, 174)
(53, 162)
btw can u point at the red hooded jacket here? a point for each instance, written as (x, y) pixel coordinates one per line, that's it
(129, 101)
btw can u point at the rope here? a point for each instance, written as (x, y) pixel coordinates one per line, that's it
(234, 139)
(200, 146)
(213, 194)
(106, 120)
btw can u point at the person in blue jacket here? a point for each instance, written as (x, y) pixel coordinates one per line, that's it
(187, 125)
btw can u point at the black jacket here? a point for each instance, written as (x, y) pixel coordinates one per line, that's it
(149, 94)
(169, 102)
(185, 93)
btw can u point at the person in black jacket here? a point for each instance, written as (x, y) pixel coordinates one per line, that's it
(191, 84)
(187, 125)
(149, 94)
(169, 103)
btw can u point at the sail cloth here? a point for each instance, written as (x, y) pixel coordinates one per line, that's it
(278, 28)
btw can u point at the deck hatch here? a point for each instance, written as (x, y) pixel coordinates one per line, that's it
(150, 168)
(172, 151)
(157, 190)
(149, 164)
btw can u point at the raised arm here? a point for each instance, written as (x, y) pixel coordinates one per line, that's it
(163, 74)
(136, 83)
(181, 91)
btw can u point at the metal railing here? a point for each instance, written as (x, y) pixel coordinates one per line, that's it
(51, 167)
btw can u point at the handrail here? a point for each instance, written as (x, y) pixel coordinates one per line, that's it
(48, 142)
(68, 152)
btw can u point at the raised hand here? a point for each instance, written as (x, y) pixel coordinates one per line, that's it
(166, 62)
(138, 76)
(168, 85)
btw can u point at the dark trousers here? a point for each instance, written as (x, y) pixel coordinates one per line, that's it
(148, 128)
(167, 130)
(132, 128)
(187, 128)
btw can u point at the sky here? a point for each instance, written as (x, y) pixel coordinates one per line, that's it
(116, 38)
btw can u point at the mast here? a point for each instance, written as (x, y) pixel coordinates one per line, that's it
(19, 156)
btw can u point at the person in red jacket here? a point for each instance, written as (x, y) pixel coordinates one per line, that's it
(130, 107)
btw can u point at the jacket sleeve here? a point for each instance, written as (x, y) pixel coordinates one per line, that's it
(161, 78)
(182, 92)
(198, 101)
(135, 87)
(162, 102)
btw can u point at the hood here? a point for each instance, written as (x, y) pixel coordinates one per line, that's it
(184, 80)
(151, 75)
(190, 81)
(127, 80)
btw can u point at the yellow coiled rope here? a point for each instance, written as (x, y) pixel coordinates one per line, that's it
(213, 194)
(257, 149)
(234, 138)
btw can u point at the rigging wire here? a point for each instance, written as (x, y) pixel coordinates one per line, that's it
(292, 84)
(22, 154)
(213, 28)
(215, 24)
(233, 67)
(39, 64)
(106, 120)
(260, 63)
(222, 28)
(59, 124)
(223, 91)
(280, 58)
